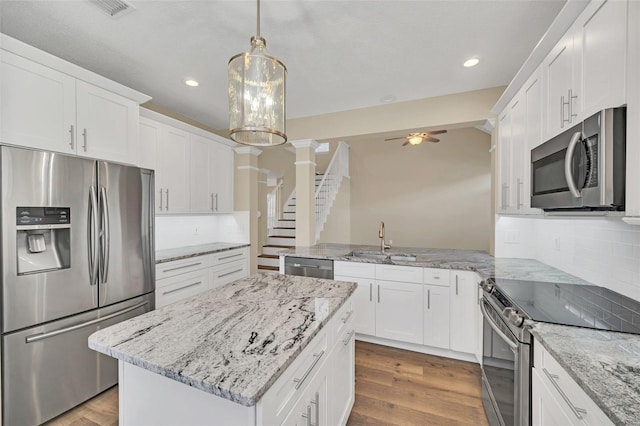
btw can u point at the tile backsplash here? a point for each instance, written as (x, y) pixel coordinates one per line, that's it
(177, 231)
(603, 251)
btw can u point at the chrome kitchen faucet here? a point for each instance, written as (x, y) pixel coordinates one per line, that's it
(383, 245)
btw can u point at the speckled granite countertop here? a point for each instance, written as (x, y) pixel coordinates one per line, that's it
(168, 255)
(605, 364)
(466, 260)
(233, 341)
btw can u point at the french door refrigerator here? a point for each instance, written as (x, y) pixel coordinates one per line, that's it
(77, 255)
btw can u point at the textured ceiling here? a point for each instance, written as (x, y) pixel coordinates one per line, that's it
(340, 54)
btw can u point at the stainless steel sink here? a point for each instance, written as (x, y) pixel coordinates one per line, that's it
(376, 255)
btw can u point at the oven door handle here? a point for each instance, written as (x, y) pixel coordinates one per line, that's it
(568, 163)
(509, 342)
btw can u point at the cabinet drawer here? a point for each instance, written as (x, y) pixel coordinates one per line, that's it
(436, 276)
(228, 256)
(343, 318)
(182, 266)
(278, 401)
(176, 288)
(565, 390)
(228, 272)
(354, 269)
(405, 274)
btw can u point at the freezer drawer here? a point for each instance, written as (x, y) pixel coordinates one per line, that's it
(49, 369)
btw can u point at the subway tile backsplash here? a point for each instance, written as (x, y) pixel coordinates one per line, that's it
(603, 251)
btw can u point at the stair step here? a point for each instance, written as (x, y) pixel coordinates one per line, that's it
(269, 268)
(284, 227)
(281, 240)
(281, 236)
(274, 250)
(269, 256)
(269, 260)
(278, 246)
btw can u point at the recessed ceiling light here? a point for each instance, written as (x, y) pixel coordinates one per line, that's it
(191, 82)
(471, 62)
(388, 99)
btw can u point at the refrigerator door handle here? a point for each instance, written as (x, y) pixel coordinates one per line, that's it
(42, 336)
(105, 235)
(92, 236)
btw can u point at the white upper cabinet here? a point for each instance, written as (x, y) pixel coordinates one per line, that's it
(172, 174)
(585, 72)
(221, 177)
(149, 134)
(202, 199)
(531, 99)
(601, 40)
(504, 158)
(50, 104)
(107, 124)
(37, 106)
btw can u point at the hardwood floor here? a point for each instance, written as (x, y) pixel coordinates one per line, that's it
(397, 387)
(393, 387)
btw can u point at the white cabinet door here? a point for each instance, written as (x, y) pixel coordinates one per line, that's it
(221, 178)
(516, 156)
(463, 291)
(149, 137)
(37, 106)
(313, 407)
(181, 286)
(600, 41)
(399, 311)
(343, 382)
(172, 175)
(532, 103)
(436, 316)
(504, 157)
(365, 305)
(560, 95)
(200, 176)
(107, 124)
(545, 409)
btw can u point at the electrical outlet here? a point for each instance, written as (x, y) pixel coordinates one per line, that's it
(512, 236)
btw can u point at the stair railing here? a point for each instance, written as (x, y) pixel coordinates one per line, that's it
(274, 207)
(328, 189)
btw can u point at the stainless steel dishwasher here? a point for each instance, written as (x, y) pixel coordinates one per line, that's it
(306, 267)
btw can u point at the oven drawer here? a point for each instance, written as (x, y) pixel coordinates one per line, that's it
(566, 393)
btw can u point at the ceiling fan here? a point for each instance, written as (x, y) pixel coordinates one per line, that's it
(418, 138)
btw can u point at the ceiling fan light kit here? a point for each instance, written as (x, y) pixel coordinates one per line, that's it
(257, 88)
(418, 138)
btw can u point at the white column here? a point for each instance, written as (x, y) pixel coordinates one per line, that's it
(245, 195)
(305, 192)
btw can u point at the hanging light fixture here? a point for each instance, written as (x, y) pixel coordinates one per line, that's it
(257, 95)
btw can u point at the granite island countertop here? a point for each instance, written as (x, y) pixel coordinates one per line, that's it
(168, 255)
(233, 341)
(605, 364)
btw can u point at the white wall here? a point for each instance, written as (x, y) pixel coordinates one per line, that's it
(603, 251)
(177, 231)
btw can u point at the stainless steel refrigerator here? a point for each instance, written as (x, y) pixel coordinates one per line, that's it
(77, 256)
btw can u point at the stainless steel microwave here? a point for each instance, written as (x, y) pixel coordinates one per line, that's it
(582, 168)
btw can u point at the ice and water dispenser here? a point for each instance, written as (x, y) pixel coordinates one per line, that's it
(43, 239)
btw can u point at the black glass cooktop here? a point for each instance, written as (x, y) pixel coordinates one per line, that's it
(571, 304)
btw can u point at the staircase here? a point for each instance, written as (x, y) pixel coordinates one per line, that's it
(282, 237)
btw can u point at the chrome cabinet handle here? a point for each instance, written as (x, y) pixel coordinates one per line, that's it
(571, 99)
(301, 380)
(428, 299)
(216, 197)
(182, 267)
(212, 201)
(84, 136)
(167, 191)
(346, 340)
(578, 412)
(378, 293)
(230, 273)
(232, 256)
(456, 285)
(41, 336)
(568, 160)
(370, 292)
(346, 317)
(520, 184)
(164, 293)
(307, 416)
(160, 199)
(71, 143)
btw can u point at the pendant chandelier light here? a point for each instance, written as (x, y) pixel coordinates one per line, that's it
(257, 95)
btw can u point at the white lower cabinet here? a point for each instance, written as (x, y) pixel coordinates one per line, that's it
(436, 316)
(365, 307)
(556, 399)
(184, 278)
(312, 407)
(399, 311)
(343, 376)
(463, 315)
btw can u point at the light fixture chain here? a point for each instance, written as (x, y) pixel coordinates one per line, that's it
(258, 21)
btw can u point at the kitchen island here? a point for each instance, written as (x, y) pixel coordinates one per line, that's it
(261, 350)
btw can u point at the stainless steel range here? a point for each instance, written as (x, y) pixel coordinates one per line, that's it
(507, 352)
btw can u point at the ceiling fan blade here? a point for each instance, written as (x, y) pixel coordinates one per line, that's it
(436, 132)
(395, 139)
(430, 139)
(406, 143)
